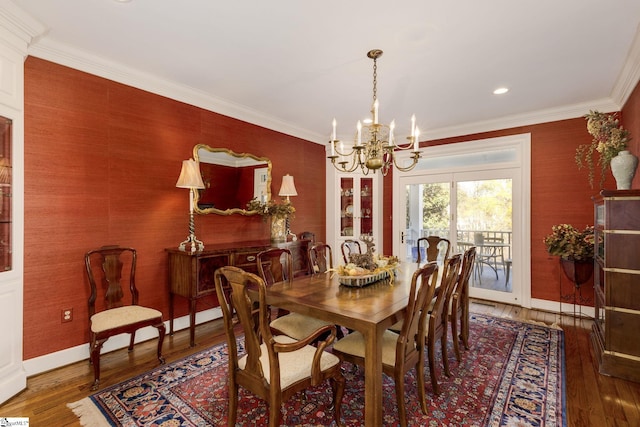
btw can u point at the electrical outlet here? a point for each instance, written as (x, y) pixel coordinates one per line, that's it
(67, 315)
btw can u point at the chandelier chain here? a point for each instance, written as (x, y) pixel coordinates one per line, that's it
(375, 79)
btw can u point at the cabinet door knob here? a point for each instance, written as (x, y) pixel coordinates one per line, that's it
(251, 258)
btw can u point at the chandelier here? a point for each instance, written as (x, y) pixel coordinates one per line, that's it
(374, 146)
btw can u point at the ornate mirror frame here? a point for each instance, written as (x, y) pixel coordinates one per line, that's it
(229, 160)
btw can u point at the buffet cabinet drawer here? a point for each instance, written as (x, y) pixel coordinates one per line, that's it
(247, 260)
(622, 250)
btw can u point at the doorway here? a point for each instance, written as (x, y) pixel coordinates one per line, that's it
(473, 194)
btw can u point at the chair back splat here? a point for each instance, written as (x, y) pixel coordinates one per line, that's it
(117, 312)
(320, 258)
(349, 247)
(437, 248)
(275, 265)
(275, 367)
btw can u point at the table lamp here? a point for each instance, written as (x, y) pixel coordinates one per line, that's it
(190, 178)
(287, 189)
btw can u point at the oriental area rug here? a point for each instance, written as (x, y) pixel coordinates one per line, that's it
(513, 375)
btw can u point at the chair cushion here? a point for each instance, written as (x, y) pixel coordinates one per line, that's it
(294, 365)
(354, 344)
(121, 316)
(297, 325)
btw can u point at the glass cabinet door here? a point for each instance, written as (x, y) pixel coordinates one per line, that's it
(356, 207)
(5, 194)
(346, 207)
(366, 207)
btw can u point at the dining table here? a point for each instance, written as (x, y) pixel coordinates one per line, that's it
(369, 309)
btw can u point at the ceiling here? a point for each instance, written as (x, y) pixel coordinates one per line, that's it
(294, 65)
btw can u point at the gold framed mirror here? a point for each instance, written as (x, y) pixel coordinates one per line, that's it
(231, 180)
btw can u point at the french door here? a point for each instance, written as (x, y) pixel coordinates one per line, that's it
(481, 203)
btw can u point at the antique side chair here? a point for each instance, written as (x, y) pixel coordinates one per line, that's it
(108, 268)
(274, 367)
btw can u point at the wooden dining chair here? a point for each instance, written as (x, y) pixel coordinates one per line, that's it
(320, 258)
(108, 269)
(308, 235)
(459, 305)
(437, 248)
(349, 247)
(273, 367)
(276, 265)
(404, 350)
(438, 318)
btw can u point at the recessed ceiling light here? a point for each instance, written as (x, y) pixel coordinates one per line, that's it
(122, 1)
(501, 90)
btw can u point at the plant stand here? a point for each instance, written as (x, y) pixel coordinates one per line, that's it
(577, 273)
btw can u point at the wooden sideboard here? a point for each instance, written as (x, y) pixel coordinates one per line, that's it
(617, 283)
(191, 273)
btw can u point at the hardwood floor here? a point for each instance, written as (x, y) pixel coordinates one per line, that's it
(592, 399)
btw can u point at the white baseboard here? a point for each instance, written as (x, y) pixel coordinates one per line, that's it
(567, 308)
(70, 355)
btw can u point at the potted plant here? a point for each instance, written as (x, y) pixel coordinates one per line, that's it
(279, 214)
(609, 139)
(575, 249)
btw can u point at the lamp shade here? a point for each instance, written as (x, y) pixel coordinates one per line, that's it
(190, 175)
(287, 188)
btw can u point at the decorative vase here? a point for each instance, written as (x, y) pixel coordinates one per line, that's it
(577, 271)
(278, 229)
(623, 167)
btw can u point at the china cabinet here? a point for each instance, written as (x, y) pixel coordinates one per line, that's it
(617, 283)
(354, 208)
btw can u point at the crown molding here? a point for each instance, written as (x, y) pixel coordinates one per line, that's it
(84, 61)
(526, 119)
(630, 73)
(18, 28)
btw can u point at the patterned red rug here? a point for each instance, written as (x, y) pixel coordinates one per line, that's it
(512, 376)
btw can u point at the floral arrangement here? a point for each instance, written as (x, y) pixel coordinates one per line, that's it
(570, 243)
(609, 138)
(271, 209)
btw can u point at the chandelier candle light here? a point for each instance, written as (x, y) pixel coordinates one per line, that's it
(190, 178)
(378, 149)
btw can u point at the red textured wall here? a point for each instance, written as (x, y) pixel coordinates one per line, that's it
(101, 164)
